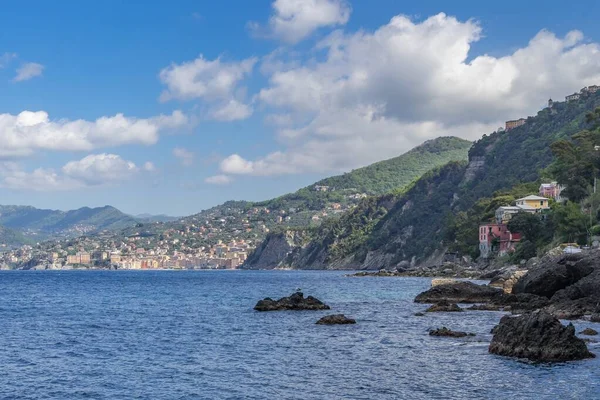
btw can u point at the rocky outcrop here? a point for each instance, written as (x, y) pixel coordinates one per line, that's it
(537, 336)
(589, 332)
(555, 274)
(444, 306)
(507, 280)
(295, 302)
(570, 282)
(445, 332)
(442, 281)
(336, 319)
(275, 251)
(461, 292)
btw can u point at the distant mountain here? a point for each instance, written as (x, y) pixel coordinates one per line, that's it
(34, 221)
(10, 238)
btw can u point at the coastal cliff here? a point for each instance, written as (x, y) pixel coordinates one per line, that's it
(417, 226)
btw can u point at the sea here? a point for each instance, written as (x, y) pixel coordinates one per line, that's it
(194, 335)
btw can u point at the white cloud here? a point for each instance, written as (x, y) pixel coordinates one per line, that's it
(218, 180)
(294, 20)
(92, 170)
(235, 164)
(23, 134)
(28, 71)
(185, 156)
(6, 58)
(231, 111)
(378, 94)
(213, 81)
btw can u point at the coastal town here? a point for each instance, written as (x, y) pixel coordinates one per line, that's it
(218, 238)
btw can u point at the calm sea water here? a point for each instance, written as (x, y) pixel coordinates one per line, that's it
(194, 335)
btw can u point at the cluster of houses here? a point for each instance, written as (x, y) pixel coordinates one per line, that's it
(515, 123)
(583, 92)
(495, 238)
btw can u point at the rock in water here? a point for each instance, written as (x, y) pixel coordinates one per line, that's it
(537, 336)
(443, 331)
(460, 292)
(336, 319)
(294, 302)
(444, 306)
(589, 332)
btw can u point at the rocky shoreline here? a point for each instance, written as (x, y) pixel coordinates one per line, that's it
(557, 287)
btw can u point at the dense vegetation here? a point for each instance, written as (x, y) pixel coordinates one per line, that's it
(444, 208)
(40, 224)
(376, 179)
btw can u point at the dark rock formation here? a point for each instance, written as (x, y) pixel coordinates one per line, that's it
(486, 307)
(589, 332)
(570, 282)
(555, 274)
(519, 303)
(336, 319)
(595, 318)
(444, 306)
(460, 292)
(443, 331)
(419, 314)
(537, 336)
(295, 302)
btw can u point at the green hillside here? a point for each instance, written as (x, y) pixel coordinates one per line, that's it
(426, 218)
(375, 179)
(48, 222)
(386, 176)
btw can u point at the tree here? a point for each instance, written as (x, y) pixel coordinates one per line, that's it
(528, 225)
(571, 223)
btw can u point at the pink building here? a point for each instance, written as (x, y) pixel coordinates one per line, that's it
(496, 237)
(551, 190)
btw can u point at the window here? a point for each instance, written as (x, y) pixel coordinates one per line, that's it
(541, 202)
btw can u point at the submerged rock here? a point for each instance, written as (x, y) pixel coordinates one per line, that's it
(419, 314)
(443, 331)
(444, 306)
(537, 336)
(460, 292)
(336, 319)
(589, 332)
(294, 302)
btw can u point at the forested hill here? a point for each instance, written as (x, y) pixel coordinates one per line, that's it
(421, 223)
(43, 223)
(385, 176)
(375, 179)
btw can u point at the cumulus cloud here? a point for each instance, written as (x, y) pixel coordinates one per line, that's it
(218, 180)
(92, 170)
(213, 81)
(294, 20)
(28, 71)
(184, 156)
(23, 134)
(378, 94)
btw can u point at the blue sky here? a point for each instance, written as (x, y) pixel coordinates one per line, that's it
(250, 100)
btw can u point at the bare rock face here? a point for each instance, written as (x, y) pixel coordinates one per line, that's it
(460, 292)
(444, 306)
(336, 319)
(445, 332)
(555, 274)
(294, 302)
(537, 336)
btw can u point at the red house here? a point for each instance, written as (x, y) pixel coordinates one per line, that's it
(496, 237)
